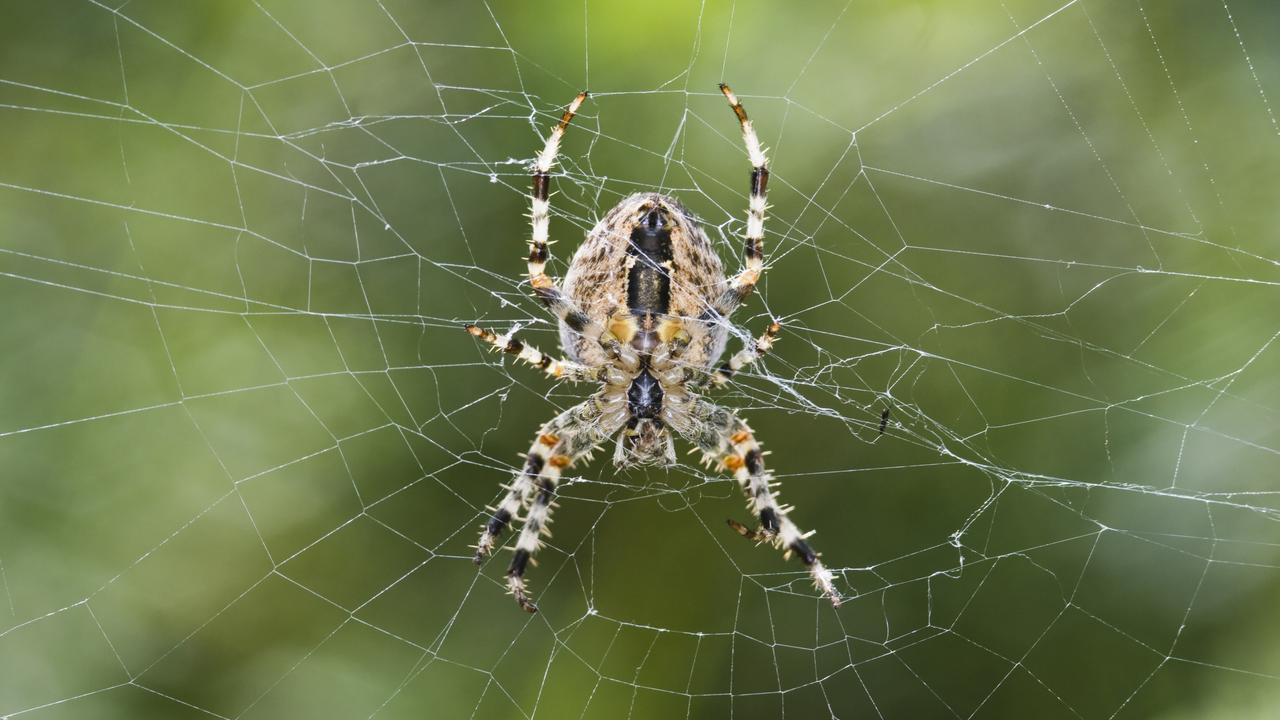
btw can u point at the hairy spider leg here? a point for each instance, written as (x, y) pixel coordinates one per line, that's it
(570, 436)
(535, 526)
(728, 442)
(744, 357)
(540, 214)
(543, 286)
(741, 285)
(555, 368)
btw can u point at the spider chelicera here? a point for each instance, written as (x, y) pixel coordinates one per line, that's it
(643, 313)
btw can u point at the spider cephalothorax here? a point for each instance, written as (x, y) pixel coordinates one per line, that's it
(643, 313)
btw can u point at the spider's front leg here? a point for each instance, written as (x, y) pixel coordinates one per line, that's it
(572, 435)
(727, 441)
(745, 281)
(544, 287)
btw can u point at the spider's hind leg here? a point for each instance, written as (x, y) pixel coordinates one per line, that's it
(727, 440)
(570, 436)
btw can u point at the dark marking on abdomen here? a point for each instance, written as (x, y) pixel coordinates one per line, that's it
(649, 282)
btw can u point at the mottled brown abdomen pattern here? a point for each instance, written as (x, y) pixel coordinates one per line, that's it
(598, 277)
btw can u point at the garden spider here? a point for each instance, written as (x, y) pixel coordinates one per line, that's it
(643, 312)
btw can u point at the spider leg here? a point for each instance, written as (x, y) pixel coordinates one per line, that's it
(555, 368)
(570, 436)
(726, 440)
(545, 288)
(540, 215)
(744, 357)
(741, 285)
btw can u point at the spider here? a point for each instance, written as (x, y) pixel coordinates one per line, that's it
(643, 313)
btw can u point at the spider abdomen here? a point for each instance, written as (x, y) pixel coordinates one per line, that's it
(648, 256)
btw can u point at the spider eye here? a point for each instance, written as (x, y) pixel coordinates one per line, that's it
(655, 219)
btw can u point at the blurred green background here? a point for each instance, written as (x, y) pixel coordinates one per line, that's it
(244, 443)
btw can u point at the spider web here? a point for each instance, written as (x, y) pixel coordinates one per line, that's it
(245, 443)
